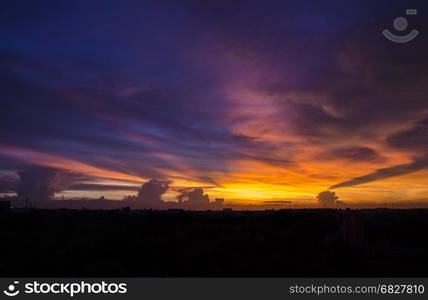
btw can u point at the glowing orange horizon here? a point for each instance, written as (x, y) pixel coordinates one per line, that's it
(254, 182)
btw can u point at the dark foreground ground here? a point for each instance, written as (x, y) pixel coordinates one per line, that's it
(296, 243)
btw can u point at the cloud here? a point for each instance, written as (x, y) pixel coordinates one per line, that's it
(41, 184)
(193, 195)
(101, 187)
(8, 183)
(248, 92)
(150, 193)
(413, 139)
(327, 199)
(417, 165)
(38, 158)
(356, 154)
(193, 198)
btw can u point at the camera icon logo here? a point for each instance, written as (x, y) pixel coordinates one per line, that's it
(400, 24)
(11, 290)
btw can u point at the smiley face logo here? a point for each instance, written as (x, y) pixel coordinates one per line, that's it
(400, 24)
(11, 290)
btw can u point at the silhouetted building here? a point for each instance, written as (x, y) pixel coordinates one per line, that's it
(353, 228)
(5, 206)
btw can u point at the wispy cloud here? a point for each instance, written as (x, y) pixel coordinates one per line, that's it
(417, 165)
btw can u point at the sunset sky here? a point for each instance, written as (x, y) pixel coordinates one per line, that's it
(252, 100)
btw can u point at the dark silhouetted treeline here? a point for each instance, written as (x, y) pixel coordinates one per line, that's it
(175, 243)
